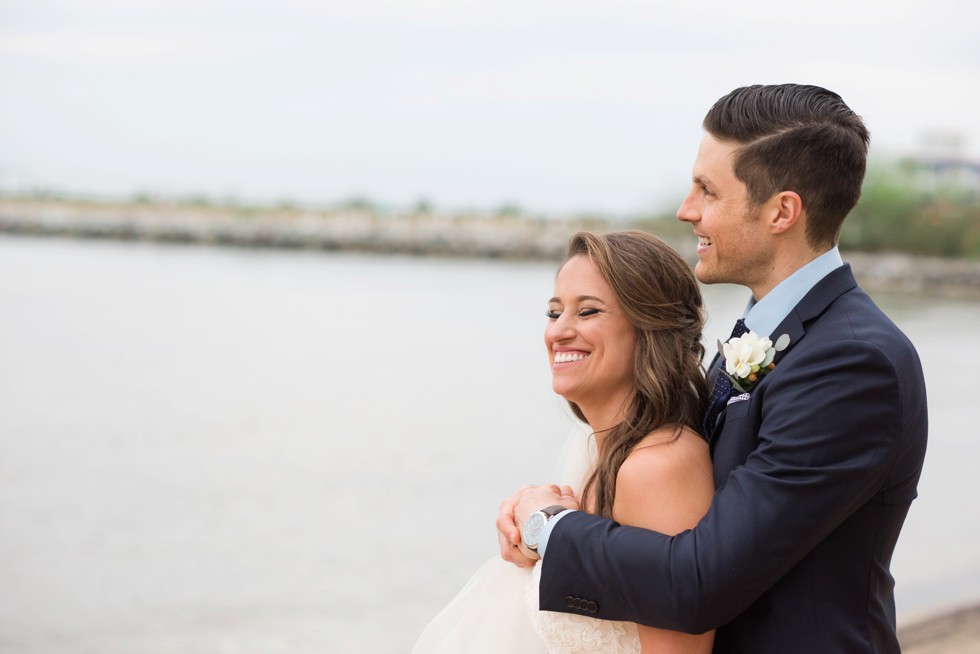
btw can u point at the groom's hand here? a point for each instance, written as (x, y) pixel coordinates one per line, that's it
(515, 510)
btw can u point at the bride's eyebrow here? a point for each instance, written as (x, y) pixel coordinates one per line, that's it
(580, 298)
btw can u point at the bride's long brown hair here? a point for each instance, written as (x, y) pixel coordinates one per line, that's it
(661, 298)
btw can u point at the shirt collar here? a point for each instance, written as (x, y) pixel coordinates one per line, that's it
(764, 316)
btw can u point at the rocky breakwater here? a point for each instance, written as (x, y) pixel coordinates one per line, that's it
(913, 275)
(433, 233)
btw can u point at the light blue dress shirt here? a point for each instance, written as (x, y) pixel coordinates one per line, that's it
(762, 317)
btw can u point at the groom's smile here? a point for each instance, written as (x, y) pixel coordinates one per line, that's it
(703, 243)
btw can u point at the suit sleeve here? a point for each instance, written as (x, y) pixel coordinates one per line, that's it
(829, 432)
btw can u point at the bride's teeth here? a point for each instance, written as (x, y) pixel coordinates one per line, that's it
(565, 357)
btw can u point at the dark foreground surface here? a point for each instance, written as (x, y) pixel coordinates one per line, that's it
(955, 632)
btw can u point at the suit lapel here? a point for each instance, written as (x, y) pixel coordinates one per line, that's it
(794, 325)
(813, 304)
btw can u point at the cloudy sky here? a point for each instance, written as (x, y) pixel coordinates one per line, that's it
(557, 105)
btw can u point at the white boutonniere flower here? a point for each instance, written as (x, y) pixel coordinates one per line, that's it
(748, 358)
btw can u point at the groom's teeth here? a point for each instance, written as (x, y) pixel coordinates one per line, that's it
(704, 241)
(565, 357)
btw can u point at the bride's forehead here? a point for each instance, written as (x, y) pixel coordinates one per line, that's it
(580, 277)
(579, 269)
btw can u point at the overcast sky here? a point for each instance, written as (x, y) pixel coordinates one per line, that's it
(557, 106)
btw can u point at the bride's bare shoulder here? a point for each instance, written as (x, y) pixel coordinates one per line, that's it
(666, 482)
(668, 450)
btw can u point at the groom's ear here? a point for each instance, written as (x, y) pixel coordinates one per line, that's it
(783, 211)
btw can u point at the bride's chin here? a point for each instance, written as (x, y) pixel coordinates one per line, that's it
(568, 396)
(565, 396)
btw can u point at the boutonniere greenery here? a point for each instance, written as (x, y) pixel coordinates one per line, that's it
(748, 358)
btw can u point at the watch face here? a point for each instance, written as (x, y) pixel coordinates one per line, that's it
(532, 528)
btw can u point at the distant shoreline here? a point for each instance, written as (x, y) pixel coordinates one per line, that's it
(428, 234)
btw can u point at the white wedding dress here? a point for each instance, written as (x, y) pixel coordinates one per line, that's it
(497, 611)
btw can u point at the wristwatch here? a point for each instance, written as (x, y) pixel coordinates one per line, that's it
(536, 522)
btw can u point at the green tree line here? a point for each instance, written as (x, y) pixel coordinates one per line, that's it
(906, 208)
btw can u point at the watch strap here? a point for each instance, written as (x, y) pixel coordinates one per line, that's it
(553, 510)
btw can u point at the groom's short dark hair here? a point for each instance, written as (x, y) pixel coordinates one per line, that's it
(800, 138)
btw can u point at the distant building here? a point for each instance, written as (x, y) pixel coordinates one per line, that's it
(943, 163)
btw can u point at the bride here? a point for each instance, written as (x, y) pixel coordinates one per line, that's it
(624, 345)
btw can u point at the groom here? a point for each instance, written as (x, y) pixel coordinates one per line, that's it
(815, 466)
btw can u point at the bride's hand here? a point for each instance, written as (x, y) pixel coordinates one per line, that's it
(529, 499)
(509, 535)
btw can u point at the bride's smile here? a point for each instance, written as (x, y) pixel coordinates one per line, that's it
(562, 356)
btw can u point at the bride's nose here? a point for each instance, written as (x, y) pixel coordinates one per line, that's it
(559, 330)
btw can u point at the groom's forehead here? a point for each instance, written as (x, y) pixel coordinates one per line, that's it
(715, 161)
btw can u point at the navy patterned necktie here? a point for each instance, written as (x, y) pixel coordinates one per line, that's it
(722, 390)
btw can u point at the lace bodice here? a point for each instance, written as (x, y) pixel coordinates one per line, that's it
(566, 633)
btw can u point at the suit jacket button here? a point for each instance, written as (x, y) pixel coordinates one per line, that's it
(592, 607)
(578, 603)
(570, 602)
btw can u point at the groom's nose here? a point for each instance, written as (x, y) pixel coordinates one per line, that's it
(688, 211)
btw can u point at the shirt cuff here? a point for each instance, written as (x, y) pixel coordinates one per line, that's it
(546, 531)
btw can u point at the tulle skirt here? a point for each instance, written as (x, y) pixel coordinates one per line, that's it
(489, 616)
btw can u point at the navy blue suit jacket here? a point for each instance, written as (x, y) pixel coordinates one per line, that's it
(814, 475)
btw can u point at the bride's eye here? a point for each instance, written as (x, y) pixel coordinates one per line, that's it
(584, 313)
(552, 314)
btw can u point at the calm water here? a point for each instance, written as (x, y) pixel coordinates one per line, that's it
(209, 450)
